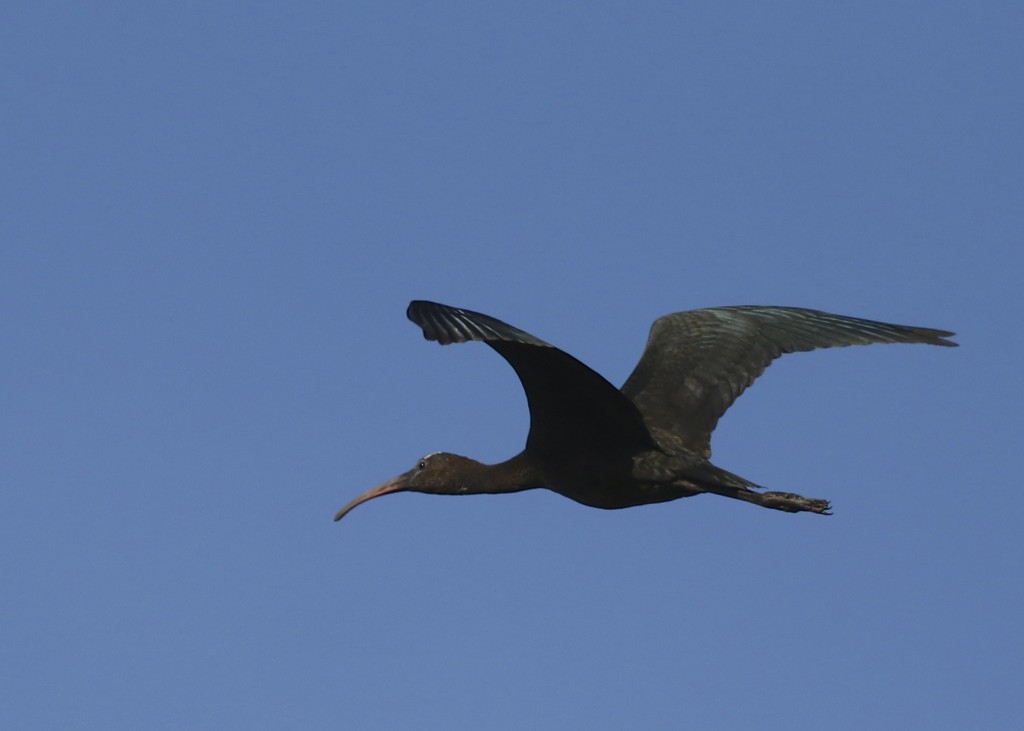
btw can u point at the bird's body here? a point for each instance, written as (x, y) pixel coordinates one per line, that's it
(650, 441)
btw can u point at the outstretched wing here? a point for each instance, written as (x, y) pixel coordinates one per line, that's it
(697, 363)
(572, 407)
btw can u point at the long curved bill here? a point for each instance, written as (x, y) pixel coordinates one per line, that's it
(392, 485)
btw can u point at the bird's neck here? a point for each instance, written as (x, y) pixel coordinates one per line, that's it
(513, 475)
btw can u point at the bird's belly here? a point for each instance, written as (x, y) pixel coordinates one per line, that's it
(615, 497)
(610, 486)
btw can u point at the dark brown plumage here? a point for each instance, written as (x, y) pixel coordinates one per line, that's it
(650, 441)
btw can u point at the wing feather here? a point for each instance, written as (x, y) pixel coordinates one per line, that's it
(697, 363)
(571, 406)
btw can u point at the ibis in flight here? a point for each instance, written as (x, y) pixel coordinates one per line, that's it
(650, 441)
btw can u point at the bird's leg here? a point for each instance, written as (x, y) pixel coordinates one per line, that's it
(793, 503)
(786, 501)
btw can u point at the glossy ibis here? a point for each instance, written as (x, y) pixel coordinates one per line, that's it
(650, 441)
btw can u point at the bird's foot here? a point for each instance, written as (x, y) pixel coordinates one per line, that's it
(793, 503)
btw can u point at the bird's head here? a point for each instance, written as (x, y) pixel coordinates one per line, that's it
(440, 473)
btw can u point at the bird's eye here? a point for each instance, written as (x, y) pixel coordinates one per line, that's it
(423, 464)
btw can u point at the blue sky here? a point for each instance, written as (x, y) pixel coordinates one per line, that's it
(214, 215)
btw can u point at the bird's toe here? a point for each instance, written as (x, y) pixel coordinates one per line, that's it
(792, 503)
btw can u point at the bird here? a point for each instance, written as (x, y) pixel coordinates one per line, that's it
(650, 441)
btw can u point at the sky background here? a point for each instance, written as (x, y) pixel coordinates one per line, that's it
(212, 218)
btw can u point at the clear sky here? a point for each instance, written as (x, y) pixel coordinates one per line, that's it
(212, 217)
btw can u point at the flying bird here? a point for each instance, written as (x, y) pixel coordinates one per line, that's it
(650, 441)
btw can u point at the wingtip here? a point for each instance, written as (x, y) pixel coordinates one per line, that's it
(416, 307)
(419, 313)
(417, 304)
(940, 337)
